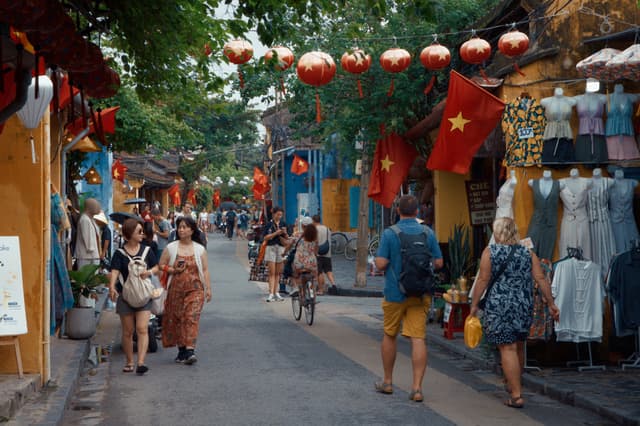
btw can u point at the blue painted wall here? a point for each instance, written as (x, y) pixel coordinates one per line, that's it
(103, 192)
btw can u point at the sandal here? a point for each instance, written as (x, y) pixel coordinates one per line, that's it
(382, 387)
(141, 369)
(128, 368)
(416, 395)
(515, 402)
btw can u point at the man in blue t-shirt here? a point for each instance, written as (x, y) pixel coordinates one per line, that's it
(398, 309)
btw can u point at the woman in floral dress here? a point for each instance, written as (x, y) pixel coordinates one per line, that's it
(307, 249)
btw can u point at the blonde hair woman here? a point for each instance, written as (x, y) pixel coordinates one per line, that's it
(509, 302)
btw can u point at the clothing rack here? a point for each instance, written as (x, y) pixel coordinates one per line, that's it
(589, 366)
(528, 367)
(634, 359)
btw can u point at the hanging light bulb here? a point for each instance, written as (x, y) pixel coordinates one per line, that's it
(92, 176)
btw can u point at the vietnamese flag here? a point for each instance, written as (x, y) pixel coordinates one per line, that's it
(174, 193)
(191, 197)
(118, 170)
(216, 198)
(299, 166)
(391, 164)
(260, 184)
(471, 113)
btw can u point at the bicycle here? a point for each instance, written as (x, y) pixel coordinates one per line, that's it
(351, 250)
(338, 242)
(307, 294)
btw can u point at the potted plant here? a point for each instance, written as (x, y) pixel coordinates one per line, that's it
(460, 261)
(80, 321)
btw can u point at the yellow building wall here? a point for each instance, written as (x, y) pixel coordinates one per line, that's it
(450, 200)
(24, 194)
(335, 203)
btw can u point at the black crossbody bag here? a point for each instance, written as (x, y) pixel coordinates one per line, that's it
(483, 300)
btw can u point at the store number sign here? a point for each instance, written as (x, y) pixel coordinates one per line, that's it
(13, 318)
(482, 207)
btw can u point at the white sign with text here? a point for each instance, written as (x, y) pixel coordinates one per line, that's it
(13, 317)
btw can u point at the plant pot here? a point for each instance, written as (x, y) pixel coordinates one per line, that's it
(80, 323)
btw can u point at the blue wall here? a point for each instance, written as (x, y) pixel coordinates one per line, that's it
(103, 192)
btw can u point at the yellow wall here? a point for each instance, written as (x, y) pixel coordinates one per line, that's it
(335, 203)
(24, 194)
(450, 200)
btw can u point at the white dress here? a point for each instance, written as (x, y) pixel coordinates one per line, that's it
(603, 244)
(574, 229)
(504, 203)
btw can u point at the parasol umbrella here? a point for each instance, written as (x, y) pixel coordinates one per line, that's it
(626, 64)
(227, 205)
(594, 66)
(120, 217)
(135, 201)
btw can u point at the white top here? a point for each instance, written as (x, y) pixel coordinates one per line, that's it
(578, 292)
(88, 238)
(505, 199)
(557, 110)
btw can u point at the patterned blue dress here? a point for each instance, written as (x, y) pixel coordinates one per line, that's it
(509, 309)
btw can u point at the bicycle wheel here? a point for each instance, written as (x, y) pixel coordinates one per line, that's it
(338, 242)
(351, 249)
(296, 306)
(310, 302)
(373, 246)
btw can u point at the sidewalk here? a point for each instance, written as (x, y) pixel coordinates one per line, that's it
(613, 393)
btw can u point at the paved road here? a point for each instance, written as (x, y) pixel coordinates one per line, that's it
(258, 366)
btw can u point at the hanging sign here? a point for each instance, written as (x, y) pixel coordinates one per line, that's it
(481, 204)
(13, 318)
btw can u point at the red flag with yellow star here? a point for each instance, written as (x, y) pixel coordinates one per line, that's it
(470, 115)
(118, 170)
(391, 164)
(299, 166)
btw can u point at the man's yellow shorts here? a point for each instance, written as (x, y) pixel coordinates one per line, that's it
(412, 314)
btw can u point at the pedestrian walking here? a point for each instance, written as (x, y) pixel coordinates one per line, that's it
(508, 310)
(105, 238)
(131, 317)
(88, 237)
(243, 224)
(148, 240)
(324, 257)
(203, 220)
(211, 219)
(161, 229)
(231, 222)
(276, 236)
(189, 286)
(398, 309)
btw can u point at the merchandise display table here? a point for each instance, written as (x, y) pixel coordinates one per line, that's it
(454, 316)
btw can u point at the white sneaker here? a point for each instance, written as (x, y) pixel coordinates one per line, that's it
(271, 298)
(279, 298)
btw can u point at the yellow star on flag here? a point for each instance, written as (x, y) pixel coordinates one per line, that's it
(458, 122)
(116, 174)
(301, 163)
(386, 163)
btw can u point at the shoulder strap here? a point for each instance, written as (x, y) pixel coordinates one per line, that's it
(502, 268)
(144, 252)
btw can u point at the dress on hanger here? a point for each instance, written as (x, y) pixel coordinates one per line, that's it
(505, 200)
(523, 114)
(624, 290)
(544, 221)
(603, 243)
(591, 145)
(558, 138)
(621, 144)
(621, 211)
(574, 229)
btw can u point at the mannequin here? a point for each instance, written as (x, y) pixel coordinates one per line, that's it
(621, 144)
(558, 138)
(623, 221)
(603, 244)
(591, 145)
(505, 197)
(544, 221)
(523, 128)
(574, 229)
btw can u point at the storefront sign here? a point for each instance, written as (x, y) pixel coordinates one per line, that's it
(481, 204)
(13, 318)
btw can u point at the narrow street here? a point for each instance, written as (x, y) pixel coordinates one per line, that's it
(257, 365)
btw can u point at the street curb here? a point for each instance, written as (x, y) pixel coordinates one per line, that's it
(351, 292)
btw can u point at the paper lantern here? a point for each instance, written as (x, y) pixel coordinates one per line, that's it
(34, 108)
(238, 52)
(434, 58)
(395, 60)
(316, 69)
(512, 44)
(281, 58)
(92, 176)
(50, 42)
(356, 62)
(475, 51)
(86, 59)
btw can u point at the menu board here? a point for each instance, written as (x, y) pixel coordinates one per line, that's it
(13, 318)
(482, 207)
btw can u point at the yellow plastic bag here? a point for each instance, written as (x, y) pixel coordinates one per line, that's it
(472, 332)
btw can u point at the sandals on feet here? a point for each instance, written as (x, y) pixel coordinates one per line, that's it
(416, 395)
(515, 402)
(141, 369)
(128, 368)
(382, 387)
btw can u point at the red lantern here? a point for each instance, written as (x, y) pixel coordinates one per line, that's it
(316, 69)
(282, 58)
(434, 58)
(238, 52)
(86, 59)
(514, 43)
(475, 51)
(356, 62)
(100, 84)
(395, 60)
(61, 38)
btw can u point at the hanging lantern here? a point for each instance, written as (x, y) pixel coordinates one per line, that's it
(51, 41)
(395, 60)
(33, 110)
(92, 176)
(475, 51)
(87, 59)
(512, 44)
(238, 52)
(356, 62)
(100, 84)
(316, 69)
(281, 58)
(434, 58)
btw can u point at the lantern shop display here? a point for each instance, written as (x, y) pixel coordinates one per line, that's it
(394, 60)
(238, 52)
(280, 58)
(356, 62)
(435, 57)
(513, 43)
(316, 69)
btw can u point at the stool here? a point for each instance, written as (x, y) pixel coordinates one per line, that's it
(454, 316)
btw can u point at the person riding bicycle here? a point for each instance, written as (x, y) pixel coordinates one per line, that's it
(305, 259)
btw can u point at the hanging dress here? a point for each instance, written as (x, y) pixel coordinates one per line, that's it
(524, 116)
(574, 229)
(591, 145)
(621, 212)
(621, 144)
(558, 138)
(544, 221)
(603, 244)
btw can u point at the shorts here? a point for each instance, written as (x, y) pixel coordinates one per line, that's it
(324, 264)
(412, 314)
(123, 308)
(274, 253)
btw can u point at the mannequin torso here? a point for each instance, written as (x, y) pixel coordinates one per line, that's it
(620, 112)
(558, 110)
(590, 108)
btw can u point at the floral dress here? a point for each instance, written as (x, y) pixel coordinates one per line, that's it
(508, 312)
(523, 115)
(305, 257)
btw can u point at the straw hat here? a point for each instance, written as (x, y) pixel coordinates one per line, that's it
(101, 217)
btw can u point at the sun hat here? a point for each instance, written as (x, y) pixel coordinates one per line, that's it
(306, 220)
(101, 217)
